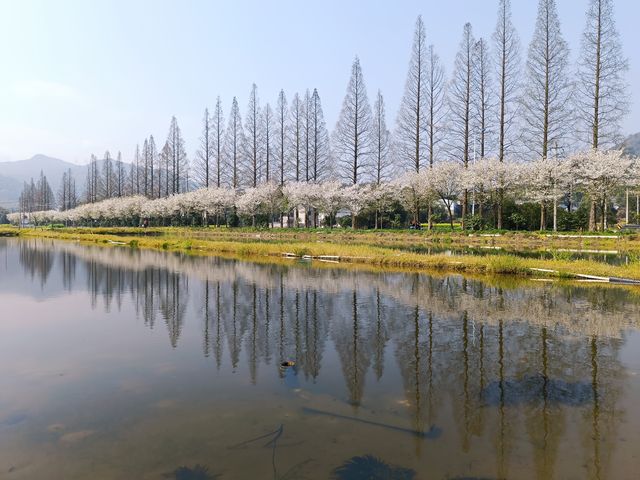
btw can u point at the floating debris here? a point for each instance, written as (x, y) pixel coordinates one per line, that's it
(74, 437)
(368, 467)
(288, 363)
(535, 389)
(56, 427)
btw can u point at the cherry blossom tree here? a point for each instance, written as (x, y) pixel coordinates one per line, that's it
(331, 200)
(414, 190)
(356, 199)
(546, 181)
(446, 180)
(600, 173)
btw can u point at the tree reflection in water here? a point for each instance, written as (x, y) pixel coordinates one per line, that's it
(506, 360)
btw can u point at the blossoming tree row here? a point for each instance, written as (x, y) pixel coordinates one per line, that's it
(600, 175)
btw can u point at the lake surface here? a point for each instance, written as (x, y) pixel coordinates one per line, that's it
(129, 364)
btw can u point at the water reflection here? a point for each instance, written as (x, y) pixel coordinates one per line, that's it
(479, 363)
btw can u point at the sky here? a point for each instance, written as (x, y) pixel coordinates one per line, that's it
(79, 77)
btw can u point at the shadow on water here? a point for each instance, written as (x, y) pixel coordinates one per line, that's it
(537, 388)
(368, 467)
(433, 432)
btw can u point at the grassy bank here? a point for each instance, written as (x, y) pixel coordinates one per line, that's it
(390, 249)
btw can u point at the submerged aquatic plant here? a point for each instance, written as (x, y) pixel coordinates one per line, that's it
(535, 389)
(475, 478)
(368, 467)
(197, 472)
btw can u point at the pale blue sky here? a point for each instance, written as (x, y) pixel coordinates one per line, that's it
(79, 77)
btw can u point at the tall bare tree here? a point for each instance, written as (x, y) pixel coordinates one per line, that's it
(483, 99)
(435, 104)
(296, 127)
(67, 197)
(253, 133)
(381, 142)
(121, 177)
(306, 128)
(205, 154)
(94, 181)
(352, 137)
(164, 162)
(282, 136)
(153, 160)
(145, 168)
(177, 182)
(460, 106)
(131, 181)
(411, 138)
(546, 96)
(267, 138)
(507, 60)
(136, 172)
(108, 176)
(44, 199)
(217, 126)
(602, 88)
(319, 149)
(234, 146)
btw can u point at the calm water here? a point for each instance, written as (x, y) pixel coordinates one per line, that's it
(125, 364)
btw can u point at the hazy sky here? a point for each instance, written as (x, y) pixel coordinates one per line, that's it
(81, 77)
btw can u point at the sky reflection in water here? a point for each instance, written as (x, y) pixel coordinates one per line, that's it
(120, 363)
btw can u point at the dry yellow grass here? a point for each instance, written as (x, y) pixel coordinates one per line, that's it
(369, 248)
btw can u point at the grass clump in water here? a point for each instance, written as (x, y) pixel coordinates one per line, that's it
(505, 264)
(368, 467)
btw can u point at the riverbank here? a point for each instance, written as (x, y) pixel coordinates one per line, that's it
(390, 249)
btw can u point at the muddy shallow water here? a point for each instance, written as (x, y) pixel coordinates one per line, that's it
(129, 364)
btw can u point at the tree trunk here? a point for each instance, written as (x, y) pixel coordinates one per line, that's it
(592, 216)
(465, 207)
(626, 208)
(543, 219)
(450, 217)
(500, 201)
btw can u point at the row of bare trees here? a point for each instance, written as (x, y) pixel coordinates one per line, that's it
(490, 105)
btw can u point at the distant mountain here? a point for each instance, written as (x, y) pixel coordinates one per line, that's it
(631, 145)
(14, 174)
